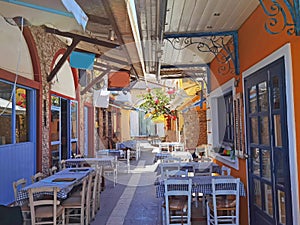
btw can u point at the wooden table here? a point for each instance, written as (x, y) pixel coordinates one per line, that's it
(65, 180)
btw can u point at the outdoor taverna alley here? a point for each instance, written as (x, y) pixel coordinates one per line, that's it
(150, 112)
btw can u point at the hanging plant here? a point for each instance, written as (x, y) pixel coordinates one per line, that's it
(157, 104)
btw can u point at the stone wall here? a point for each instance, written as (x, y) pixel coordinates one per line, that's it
(195, 129)
(202, 127)
(47, 45)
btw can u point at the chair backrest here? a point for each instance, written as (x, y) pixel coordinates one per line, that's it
(168, 166)
(102, 153)
(176, 173)
(164, 147)
(37, 199)
(62, 164)
(225, 171)
(203, 171)
(185, 156)
(171, 160)
(79, 156)
(230, 190)
(178, 147)
(89, 195)
(37, 177)
(17, 185)
(206, 159)
(176, 188)
(52, 170)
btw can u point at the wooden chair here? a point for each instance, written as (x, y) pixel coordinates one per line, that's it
(164, 147)
(176, 173)
(52, 170)
(76, 210)
(17, 185)
(185, 156)
(37, 177)
(202, 172)
(45, 210)
(179, 147)
(99, 171)
(62, 164)
(223, 207)
(178, 201)
(225, 171)
(171, 160)
(92, 189)
(79, 156)
(198, 171)
(112, 170)
(168, 166)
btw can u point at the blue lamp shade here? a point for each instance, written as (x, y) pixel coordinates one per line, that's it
(82, 60)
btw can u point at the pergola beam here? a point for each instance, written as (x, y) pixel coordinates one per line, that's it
(94, 81)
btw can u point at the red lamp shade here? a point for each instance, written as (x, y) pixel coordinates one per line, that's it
(118, 80)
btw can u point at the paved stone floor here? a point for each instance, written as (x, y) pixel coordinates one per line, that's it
(132, 201)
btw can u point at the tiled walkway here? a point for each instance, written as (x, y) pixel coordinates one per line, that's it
(132, 201)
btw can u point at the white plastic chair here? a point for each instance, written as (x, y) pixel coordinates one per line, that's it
(178, 201)
(223, 207)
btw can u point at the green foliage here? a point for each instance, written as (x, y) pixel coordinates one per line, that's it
(157, 103)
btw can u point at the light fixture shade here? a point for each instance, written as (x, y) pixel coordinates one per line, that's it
(82, 60)
(118, 80)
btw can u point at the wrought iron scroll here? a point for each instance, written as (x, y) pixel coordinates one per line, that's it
(279, 19)
(223, 48)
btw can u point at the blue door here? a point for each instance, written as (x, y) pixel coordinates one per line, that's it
(17, 136)
(267, 146)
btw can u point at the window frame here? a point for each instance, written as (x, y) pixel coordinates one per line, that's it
(30, 107)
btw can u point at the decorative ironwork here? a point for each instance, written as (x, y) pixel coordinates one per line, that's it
(281, 20)
(223, 46)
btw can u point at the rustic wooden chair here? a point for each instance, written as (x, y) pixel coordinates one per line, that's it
(45, 210)
(223, 207)
(178, 200)
(37, 177)
(17, 185)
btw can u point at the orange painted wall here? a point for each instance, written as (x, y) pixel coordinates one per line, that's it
(255, 43)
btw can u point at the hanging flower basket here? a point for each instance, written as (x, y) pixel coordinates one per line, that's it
(157, 105)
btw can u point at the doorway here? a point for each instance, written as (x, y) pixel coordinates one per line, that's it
(268, 164)
(64, 134)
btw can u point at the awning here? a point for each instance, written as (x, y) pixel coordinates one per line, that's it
(51, 13)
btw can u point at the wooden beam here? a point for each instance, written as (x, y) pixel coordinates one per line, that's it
(98, 64)
(98, 19)
(111, 16)
(111, 59)
(94, 81)
(82, 38)
(63, 59)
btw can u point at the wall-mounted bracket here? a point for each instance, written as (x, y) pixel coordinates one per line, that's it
(75, 40)
(223, 45)
(279, 19)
